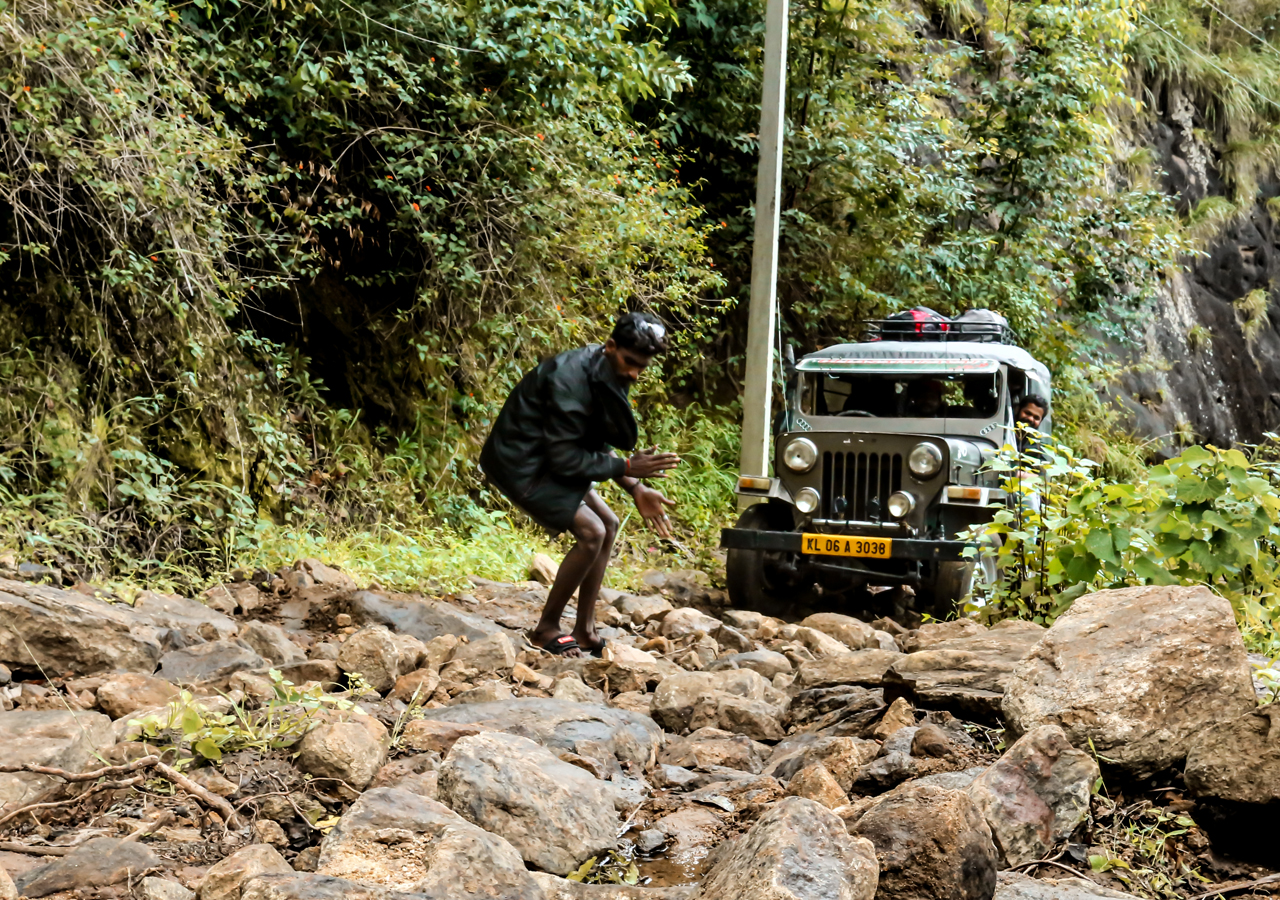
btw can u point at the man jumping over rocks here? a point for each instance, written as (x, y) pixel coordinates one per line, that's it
(554, 440)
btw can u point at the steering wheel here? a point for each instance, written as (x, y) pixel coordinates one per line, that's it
(856, 412)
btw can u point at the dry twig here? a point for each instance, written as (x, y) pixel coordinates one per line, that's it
(1232, 888)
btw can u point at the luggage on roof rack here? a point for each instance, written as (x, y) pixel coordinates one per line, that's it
(924, 324)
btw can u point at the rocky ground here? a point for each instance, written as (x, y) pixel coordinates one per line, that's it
(293, 737)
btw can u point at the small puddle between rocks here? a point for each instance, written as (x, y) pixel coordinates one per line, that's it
(670, 866)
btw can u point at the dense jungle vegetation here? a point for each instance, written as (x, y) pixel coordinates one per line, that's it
(271, 266)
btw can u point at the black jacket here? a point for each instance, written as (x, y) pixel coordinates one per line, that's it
(553, 436)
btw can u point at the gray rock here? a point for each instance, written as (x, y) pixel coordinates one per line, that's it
(730, 638)
(935, 633)
(324, 887)
(650, 840)
(676, 777)
(58, 738)
(798, 850)
(270, 642)
(371, 653)
(94, 864)
(687, 620)
(555, 814)
(745, 621)
(423, 618)
(189, 617)
(225, 879)
(490, 654)
(867, 667)
(560, 725)
(164, 889)
(757, 719)
(404, 842)
(1136, 671)
(351, 751)
(1017, 886)
(952, 781)
(932, 844)
(1036, 795)
(1238, 760)
(205, 662)
(965, 674)
(67, 632)
(843, 757)
(767, 662)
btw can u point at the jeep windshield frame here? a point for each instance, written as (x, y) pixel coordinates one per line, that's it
(904, 362)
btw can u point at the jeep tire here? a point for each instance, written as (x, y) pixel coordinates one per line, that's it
(747, 572)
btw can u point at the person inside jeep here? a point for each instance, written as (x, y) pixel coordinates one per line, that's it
(1031, 412)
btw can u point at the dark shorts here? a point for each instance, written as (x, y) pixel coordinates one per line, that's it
(546, 504)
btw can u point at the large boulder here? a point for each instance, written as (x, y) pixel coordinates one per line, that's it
(1035, 795)
(965, 674)
(58, 738)
(191, 618)
(932, 844)
(798, 850)
(1233, 770)
(1138, 672)
(64, 632)
(423, 618)
(404, 842)
(555, 814)
(561, 725)
(93, 865)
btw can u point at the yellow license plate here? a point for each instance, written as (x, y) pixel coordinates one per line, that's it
(842, 545)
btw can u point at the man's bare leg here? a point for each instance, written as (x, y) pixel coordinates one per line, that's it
(590, 533)
(584, 630)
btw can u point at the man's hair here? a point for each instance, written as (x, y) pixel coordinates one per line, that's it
(641, 332)
(1036, 399)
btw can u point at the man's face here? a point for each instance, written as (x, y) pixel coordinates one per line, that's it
(627, 364)
(1032, 414)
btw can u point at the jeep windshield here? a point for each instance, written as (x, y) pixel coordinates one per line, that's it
(925, 396)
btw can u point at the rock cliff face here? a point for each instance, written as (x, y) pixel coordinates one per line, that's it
(1207, 382)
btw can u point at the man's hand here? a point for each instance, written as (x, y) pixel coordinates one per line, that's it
(651, 464)
(651, 505)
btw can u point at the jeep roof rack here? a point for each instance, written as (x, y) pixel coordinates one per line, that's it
(939, 329)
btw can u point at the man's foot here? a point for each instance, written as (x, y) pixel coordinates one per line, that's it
(560, 645)
(590, 643)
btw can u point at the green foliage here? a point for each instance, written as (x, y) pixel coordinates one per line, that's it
(1208, 517)
(193, 731)
(613, 868)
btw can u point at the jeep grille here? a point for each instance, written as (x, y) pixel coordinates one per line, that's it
(857, 485)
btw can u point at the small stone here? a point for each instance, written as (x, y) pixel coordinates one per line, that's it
(307, 860)
(650, 840)
(490, 655)
(266, 831)
(342, 620)
(489, 692)
(212, 780)
(416, 687)
(270, 642)
(371, 653)
(543, 569)
(225, 880)
(680, 622)
(900, 714)
(931, 741)
(570, 687)
(7, 889)
(157, 889)
(94, 864)
(424, 735)
(350, 751)
(440, 650)
(815, 783)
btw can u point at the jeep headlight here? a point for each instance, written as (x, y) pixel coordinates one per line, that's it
(800, 455)
(925, 460)
(900, 504)
(807, 500)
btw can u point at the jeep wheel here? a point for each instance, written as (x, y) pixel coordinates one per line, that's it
(940, 594)
(751, 576)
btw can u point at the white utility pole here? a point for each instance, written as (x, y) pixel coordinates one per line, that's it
(761, 318)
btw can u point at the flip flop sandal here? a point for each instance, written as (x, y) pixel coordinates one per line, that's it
(561, 645)
(598, 652)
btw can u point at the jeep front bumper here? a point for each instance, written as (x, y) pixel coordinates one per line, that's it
(792, 542)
